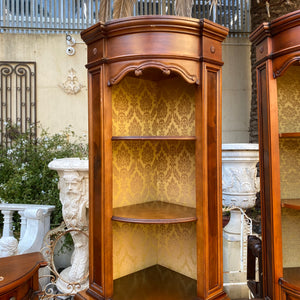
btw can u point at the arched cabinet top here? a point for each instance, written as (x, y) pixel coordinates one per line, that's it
(155, 71)
(278, 41)
(170, 44)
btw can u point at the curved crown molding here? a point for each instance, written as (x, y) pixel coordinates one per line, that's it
(166, 70)
(285, 66)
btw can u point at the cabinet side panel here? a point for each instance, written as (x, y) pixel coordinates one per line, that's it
(270, 181)
(99, 170)
(95, 175)
(214, 200)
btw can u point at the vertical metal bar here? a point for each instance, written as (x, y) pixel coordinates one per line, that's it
(40, 14)
(225, 13)
(13, 14)
(96, 11)
(238, 13)
(50, 15)
(64, 15)
(69, 13)
(87, 13)
(59, 15)
(78, 13)
(2, 23)
(83, 13)
(242, 25)
(55, 13)
(31, 7)
(148, 2)
(18, 106)
(73, 14)
(90, 12)
(22, 14)
(33, 98)
(16, 14)
(27, 15)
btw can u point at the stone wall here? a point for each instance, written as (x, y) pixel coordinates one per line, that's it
(258, 16)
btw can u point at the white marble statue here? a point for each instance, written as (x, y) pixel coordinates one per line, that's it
(73, 185)
(8, 246)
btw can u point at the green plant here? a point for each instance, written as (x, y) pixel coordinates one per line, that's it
(24, 173)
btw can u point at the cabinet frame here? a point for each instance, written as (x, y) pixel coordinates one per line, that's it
(277, 47)
(190, 49)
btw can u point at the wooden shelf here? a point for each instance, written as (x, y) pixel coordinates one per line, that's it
(153, 138)
(289, 135)
(154, 212)
(291, 203)
(157, 283)
(291, 279)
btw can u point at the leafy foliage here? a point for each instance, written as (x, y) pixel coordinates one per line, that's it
(24, 173)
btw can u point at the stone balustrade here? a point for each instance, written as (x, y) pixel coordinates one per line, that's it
(35, 223)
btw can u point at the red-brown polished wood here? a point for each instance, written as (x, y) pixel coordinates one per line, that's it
(19, 275)
(291, 203)
(289, 135)
(277, 47)
(155, 212)
(155, 48)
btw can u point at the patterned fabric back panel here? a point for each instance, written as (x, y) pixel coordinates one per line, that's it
(289, 121)
(153, 171)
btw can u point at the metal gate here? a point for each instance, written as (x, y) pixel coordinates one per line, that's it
(18, 100)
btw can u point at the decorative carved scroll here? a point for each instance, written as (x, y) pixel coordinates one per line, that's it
(165, 69)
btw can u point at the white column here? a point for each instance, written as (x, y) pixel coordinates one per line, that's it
(7, 223)
(73, 185)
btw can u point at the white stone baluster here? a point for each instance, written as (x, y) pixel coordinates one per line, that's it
(23, 223)
(35, 229)
(7, 223)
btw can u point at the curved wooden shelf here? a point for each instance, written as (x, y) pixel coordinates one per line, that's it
(155, 282)
(154, 212)
(291, 281)
(153, 138)
(291, 203)
(289, 135)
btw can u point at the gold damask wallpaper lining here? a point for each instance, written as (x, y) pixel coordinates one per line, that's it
(288, 91)
(289, 121)
(146, 171)
(138, 246)
(143, 107)
(153, 170)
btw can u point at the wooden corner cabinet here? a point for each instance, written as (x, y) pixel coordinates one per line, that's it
(155, 159)
(278, 95)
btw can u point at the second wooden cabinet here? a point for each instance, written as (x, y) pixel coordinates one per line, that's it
(278, 93)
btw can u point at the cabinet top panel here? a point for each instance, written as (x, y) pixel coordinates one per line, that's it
(279, 41)
(172, 44)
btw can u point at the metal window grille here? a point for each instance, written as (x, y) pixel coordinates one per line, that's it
(56, 16)
(18, 100)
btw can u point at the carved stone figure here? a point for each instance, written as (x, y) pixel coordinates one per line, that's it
(73, 185)
(8, 246)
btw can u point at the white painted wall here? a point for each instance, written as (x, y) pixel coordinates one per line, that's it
(56, 109)
(236, 90)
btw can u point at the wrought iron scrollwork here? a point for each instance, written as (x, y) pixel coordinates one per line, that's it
(53, 279)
